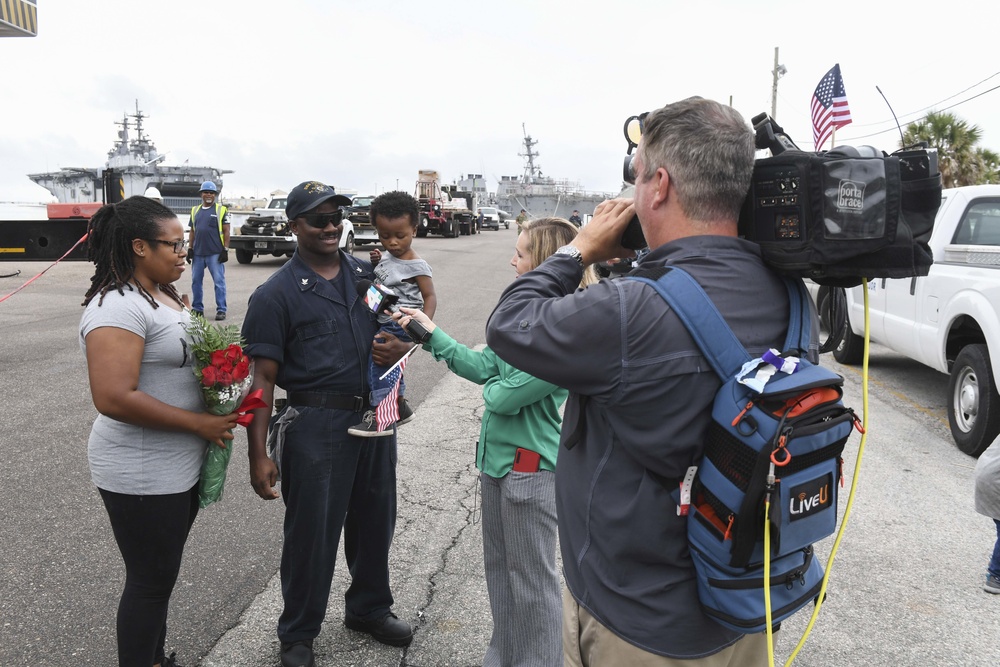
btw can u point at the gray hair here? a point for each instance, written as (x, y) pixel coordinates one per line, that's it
(707, 149)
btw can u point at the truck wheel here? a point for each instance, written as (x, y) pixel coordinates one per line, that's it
(974, 408)
(349, 246)
(422, 229)
(451, 231)
(465, 229)
(848, 348)
(244, 256)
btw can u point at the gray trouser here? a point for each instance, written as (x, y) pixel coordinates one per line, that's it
(519, 549)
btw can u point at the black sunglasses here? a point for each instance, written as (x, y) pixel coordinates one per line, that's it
(321, 220)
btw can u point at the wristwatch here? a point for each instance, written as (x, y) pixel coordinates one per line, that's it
(571, 251)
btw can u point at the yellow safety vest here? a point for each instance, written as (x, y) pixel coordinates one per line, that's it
(220, 213)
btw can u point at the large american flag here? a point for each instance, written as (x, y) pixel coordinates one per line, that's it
(829, 106)
(387, 412)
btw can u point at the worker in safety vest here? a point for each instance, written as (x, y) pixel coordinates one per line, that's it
(208, 238)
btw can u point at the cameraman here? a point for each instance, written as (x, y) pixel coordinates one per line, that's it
(641, 392)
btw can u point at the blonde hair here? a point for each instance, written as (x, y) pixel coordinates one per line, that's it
(546, 235)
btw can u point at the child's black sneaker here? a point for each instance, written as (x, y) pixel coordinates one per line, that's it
(368, 428)
(405, 412)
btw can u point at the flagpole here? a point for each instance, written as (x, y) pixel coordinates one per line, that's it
(778, 72)
(401, 360)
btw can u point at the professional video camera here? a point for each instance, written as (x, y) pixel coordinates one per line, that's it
(834, 217)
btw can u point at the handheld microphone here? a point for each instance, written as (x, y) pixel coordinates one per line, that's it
(380, 300)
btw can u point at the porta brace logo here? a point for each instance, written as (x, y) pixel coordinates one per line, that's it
(810, 497)
(851, 196)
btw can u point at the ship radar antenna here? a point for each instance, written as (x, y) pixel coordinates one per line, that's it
(142, 145)
(530, 170)
(121, 145)
(138, 120)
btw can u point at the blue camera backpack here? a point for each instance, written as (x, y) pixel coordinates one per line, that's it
(791, 428)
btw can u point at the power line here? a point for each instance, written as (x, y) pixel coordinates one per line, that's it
(913, 113)
(893, 129)
(904, 118)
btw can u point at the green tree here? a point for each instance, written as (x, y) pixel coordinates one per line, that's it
(960, 160)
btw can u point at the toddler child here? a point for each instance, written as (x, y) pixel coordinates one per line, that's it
(395, 215)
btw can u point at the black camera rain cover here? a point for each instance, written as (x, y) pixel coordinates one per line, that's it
(854, 207)
(837, 218)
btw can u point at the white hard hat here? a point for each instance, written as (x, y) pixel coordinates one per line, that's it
(152, 193)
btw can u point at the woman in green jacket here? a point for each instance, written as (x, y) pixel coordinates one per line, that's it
(516, 457)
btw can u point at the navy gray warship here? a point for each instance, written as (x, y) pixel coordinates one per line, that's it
(542, 195)
(140, 166)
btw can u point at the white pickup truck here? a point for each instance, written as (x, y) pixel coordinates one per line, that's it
(948, 320)
(266, 232)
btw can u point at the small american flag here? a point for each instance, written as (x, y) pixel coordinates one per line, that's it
(387, 412)
(829, 106)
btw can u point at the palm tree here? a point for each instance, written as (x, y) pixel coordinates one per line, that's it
(986, 167)
(961, 162)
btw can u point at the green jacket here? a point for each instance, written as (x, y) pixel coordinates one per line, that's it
(521, 410)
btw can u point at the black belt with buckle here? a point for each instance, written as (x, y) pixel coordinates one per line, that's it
(312, 399)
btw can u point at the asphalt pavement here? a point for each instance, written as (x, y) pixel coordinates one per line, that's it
(905, 586)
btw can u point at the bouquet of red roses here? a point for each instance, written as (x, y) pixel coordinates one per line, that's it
(225, 374)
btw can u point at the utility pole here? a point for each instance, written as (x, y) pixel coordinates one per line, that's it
(778, 72)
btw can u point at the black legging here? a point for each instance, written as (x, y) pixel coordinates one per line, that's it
(150, 532)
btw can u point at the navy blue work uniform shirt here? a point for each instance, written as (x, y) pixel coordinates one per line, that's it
(319, 331)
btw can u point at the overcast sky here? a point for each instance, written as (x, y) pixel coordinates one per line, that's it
(363, 94)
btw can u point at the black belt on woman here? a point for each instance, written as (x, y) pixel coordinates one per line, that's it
(313, 399)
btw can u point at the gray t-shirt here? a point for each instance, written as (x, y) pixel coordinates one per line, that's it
(131, 459)
(392, 273)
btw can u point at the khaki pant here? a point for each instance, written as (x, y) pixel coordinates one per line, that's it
(587, 643)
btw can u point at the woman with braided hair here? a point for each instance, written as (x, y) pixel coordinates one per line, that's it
(147, 444)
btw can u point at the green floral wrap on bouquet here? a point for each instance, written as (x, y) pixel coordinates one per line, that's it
(225, 374)
(213, 469)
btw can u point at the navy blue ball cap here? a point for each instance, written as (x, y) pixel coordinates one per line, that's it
(306, 196)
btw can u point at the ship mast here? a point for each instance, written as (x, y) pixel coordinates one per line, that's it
(138, 121)
(530, 170)
(142, 146)
(121, 146)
